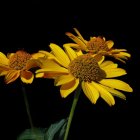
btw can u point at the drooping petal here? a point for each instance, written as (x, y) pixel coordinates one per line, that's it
(3, 60)
(110, 73)
(117, 84)
(80, 42)
(60, 54)
(104, 94)
(71, 53)
(27, 77)
(11, 76)
(115, 92)
(91, 92)
(64, 79)
(68, 88)
(110, 44)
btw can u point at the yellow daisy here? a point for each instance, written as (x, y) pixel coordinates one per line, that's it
(70, 69)
(17, 64)
(97, 45)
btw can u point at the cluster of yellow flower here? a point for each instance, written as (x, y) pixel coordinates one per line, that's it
(80, 63)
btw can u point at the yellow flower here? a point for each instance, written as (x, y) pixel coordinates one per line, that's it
(17, 64)
(97, 45)
(70, 69)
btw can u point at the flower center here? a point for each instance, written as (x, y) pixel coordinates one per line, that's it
(97, 44)
(19, 60)
(86, 68)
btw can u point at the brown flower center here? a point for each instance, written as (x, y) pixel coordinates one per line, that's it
(97, 44)
(86, 68)
(19, 60)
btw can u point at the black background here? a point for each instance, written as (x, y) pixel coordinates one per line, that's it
(33, 28)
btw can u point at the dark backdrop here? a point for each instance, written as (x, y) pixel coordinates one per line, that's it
(34, 28)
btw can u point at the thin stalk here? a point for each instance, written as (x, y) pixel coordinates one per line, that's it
(27, 107)
(75, 100)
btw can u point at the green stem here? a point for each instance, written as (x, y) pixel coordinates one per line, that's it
(75, 100)
(27, 107)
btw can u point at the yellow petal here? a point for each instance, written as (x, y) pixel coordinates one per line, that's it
(91, 92)
(71, 53)
(115, 92)
(68, 88)
(11, 76)
(79, 52)
(104, 38)
(101, 60)
(4, 68)
(73, 45)
(37, 55)
(110, 44)
(3, 59)
(44, 62)
(52, 66)
(110, 73)
(117, 84)
(79, 35)
(64, 79)
(122, 54)
(120, 59)
(39, 75)
(48, 75)
(27, 77)
(9, 55)
(53, 70)
(108, 66)
(2, 73)
(60, 54)
(104, 94)
(49, 56)
(77, 40)
(106, 63)
(118, 50)
(32, 64)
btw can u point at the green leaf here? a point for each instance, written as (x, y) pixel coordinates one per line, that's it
(29, 134)
(56, 131)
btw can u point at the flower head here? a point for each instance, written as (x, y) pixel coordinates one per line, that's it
(97, 45)
(17, 64)
(69, 69)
